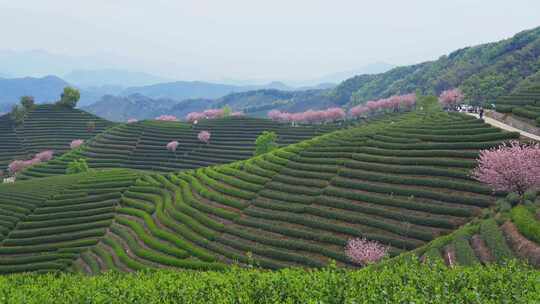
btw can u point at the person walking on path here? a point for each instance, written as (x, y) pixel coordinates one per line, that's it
(481, 112)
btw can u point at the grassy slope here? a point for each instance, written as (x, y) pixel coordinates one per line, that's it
(45, 127)
(143, 145)
(402, 181)
(524, 103)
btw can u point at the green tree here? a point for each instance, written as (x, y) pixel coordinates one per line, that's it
(428, 104)
(17, 114)
(69, 97)
(77, 166)
(265, 142)
(227, 111)
(27, 102)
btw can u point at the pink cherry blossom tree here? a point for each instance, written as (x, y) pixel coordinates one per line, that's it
(167, 118)
(132, 120)
(17, 166)
(408, 101)
(238, 114)
(76, 143)
(204, 136)
(172, 146)
(450, 98)
(511, 167)
(44, 156)
(365, 252)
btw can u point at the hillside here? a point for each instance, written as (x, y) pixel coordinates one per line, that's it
(402, 180)
(119, 108)
(524, 103)
(46, 127)
(142, 145)
(483, 72)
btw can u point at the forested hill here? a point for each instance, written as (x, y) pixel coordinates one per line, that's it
(483, 72)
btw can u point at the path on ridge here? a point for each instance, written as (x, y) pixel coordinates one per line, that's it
(506, 127)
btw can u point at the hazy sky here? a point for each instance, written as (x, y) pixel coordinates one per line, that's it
(242, 39)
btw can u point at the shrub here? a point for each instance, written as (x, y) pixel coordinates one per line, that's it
(77, 166)
(27, 102)
(513, 198)
(526, 223)
(265, 143)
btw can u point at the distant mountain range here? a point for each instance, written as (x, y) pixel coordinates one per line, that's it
(49, 88)
(45, 89)
(111, 77)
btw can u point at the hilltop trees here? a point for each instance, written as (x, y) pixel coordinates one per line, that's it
(27, 102)
(69, 97)
(450, 98)
(393, 103)
(510, 167)
(167, 118)
(265, 142)
(17, 166)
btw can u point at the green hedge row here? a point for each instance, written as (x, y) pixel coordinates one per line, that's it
(233, 181)
(400, 203)
(242, 175)
(526, 223)
(416, 181)
(410, 170)
(66, 221)
(221, 188)
(491, 234)
(216, 197)
(424, 161)
(73, 236)
(323, 237)
(22, 233)
(270, 252)
(428, 220)
(150, 241)
(323, 225)
(397, 228)
(396, 190)
(160, 258)
(464, 253)
(48, 247)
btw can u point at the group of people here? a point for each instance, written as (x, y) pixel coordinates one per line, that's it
(471, 109)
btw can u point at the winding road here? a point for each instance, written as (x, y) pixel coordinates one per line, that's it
(506, 127)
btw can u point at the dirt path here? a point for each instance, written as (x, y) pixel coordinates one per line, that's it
(506, 127)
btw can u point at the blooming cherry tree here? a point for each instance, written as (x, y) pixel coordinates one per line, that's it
(131, 120)
(167, 118)
(450, 98)
(204, 136)
(510, 167)
(365, 252)
(172, 146)
(76, 143)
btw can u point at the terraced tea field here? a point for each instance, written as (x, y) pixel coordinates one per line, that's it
(403, 181)
(142, 145)
(525, 104)
(46, 127)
